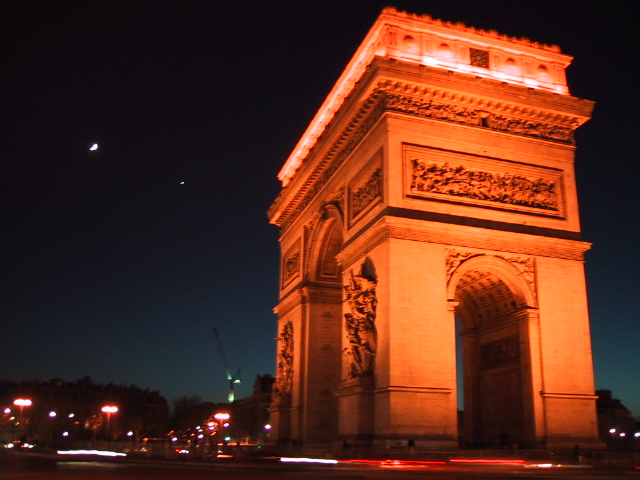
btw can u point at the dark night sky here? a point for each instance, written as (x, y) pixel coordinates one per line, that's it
(114, 269)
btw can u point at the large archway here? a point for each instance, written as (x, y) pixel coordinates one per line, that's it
(491, 304)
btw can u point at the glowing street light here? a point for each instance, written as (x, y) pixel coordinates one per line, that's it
(21, 403)
(109, 410)
(222, 421)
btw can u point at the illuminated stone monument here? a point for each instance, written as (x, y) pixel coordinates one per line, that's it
(432, 201)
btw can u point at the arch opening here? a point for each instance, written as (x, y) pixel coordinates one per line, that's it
(491, 353)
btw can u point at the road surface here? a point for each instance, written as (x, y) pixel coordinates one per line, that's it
(28, 466)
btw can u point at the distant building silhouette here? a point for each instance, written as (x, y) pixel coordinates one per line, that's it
(65, 411)
(616, 426)
(250, 415)
(246, 423)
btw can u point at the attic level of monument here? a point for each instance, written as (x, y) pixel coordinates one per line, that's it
(422, 40)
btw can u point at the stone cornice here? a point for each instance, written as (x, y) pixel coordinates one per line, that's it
(350, 137)
(413, 389)
(569, 396)
(430, 232)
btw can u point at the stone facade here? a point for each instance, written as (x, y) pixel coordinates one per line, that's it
(434, 188)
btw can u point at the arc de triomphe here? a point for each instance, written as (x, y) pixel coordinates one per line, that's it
(431, 206)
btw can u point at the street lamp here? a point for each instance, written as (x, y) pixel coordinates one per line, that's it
(221, 416)
(222, 421)
(21, 403)
(109, 409)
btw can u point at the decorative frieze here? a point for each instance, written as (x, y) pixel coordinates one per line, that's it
(425, 108)
(530, 128)
(461, 181)
(451, 176)
(450, 112)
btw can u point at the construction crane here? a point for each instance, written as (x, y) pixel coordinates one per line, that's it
(230, 378)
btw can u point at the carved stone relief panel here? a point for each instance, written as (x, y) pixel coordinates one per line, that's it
(364, 195)
(284, 376)
(505, 351)
(360, 325)
(441, 175)
(366, 189)
(291, 264)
